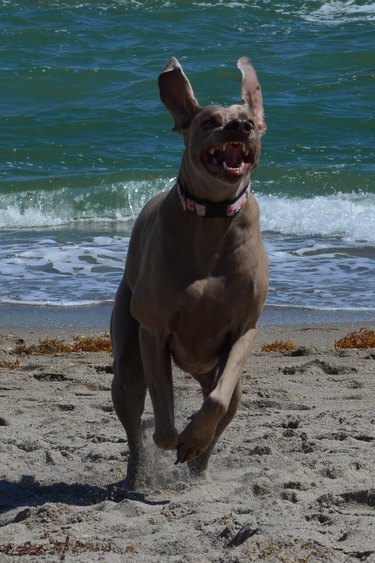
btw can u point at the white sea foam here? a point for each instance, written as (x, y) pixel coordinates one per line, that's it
(337, 12)
(65, 206)
(12, 216)
(80, 267)
(332, 12)
(321, 249)
(347, 216)
(65, 269)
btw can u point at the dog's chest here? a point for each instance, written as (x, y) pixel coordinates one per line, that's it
(205, 299)
(205, 316)
(198, 325)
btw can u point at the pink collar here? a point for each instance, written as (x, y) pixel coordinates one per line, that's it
(212, 209)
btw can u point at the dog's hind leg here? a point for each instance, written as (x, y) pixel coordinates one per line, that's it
(198, 465)
(128, 385)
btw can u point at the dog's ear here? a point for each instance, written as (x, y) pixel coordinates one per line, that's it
(177, 94)
(251, 92)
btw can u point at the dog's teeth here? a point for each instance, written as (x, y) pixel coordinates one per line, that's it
(224, 147)
(225, 165)
(212, 151)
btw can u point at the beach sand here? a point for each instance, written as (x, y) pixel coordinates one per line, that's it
(292, 479)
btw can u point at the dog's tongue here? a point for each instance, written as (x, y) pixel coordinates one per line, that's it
(232, 155)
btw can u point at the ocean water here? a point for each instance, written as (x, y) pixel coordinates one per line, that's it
(85, 142)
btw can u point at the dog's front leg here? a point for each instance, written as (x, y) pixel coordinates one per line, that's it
(158, 374)
(204, 428)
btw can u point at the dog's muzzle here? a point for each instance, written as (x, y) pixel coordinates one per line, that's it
(231, 160)
(234, 157)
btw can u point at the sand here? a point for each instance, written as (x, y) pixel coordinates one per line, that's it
(292, 479)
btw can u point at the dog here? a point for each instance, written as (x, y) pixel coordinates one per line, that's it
(196, 277)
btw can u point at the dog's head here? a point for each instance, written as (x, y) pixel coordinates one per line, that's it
(222, 143)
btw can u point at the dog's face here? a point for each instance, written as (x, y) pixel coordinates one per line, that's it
(221, 143)
(224, 142)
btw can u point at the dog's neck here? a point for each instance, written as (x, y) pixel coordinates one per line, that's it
(212, 209)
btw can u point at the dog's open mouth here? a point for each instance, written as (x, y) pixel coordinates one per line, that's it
(231, 160)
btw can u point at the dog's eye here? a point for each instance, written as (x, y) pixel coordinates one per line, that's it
(211, 123)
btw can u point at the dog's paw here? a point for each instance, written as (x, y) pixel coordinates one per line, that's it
(166, 441)
(200, 432)
(193, 441)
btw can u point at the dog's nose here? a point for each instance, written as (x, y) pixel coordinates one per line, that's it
(238, 126)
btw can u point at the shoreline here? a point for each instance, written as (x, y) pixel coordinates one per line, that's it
(13, 316)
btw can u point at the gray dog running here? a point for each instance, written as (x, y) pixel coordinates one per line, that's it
(196, 277)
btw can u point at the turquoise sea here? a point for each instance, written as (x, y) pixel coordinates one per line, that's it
(85, 141)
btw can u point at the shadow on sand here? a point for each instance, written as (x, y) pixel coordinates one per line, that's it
(28, 492)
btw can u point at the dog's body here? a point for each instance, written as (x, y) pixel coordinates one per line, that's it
(195, 279)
